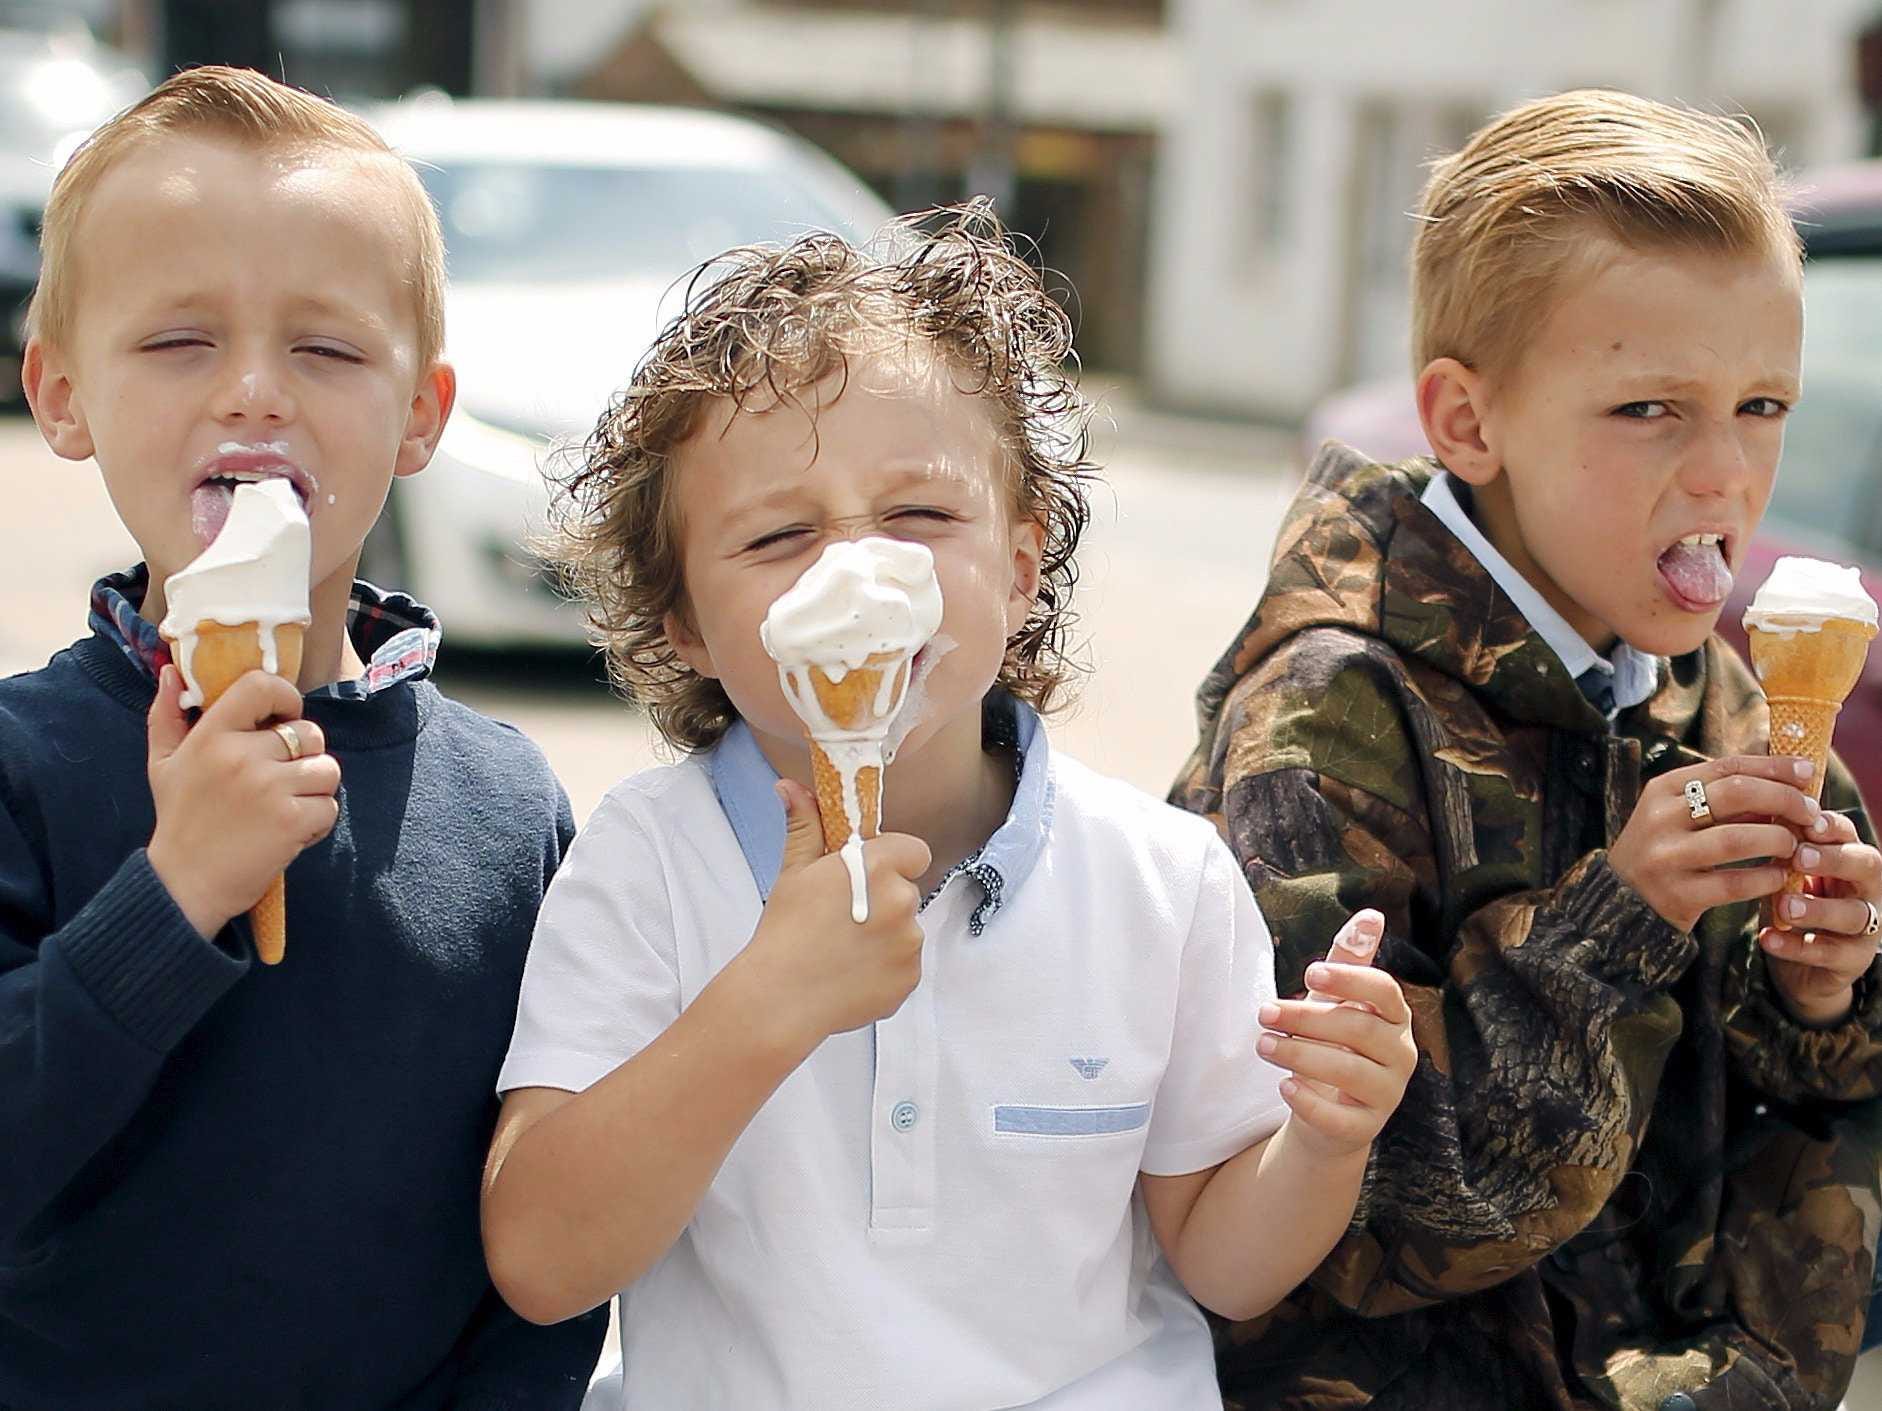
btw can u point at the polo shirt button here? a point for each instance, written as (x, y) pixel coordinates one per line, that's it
(903, 1116)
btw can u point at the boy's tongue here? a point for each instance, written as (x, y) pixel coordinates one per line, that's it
(1697, 572)
(209, 509)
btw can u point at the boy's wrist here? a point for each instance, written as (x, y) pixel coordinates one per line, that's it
(770, 1015)
(197, 910)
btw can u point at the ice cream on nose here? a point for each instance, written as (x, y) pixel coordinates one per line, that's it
(845, 636)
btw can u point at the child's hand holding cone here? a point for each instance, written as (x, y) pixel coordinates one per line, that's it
(232, 809)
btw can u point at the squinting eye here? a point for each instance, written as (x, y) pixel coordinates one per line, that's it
(179, 341)
(923, 512)
(1642, 411)
(773, 540)
(325, 351)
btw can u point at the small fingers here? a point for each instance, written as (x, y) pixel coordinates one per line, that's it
(1359, 1078)
(315, 776)
(1357, 941)
(1856, 864)
(1839, 916)
(900, 853)
(314, 817)
(1788, 768)
(1738, 842)
(254, 700)
(1365, 983)
(1741, 796)
(1347, 1124)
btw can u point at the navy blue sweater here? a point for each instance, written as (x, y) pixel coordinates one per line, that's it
(229, 1185)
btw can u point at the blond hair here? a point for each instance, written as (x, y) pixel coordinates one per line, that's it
(250, 110)
(1502, 220)
(772, 322)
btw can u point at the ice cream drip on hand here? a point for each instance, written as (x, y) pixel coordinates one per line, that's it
(255, 573)
(845, 637)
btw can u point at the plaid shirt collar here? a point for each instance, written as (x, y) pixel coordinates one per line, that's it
(396, 636)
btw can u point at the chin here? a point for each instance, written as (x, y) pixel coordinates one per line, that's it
(1674, 639)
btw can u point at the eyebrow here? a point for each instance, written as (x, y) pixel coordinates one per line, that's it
(899, 476)
(1671, 386)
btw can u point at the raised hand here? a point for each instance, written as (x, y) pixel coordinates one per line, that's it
(1348, 1045)
(824, 972)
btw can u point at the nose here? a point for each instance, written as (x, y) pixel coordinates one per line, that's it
(1719, 461)
(254, 390)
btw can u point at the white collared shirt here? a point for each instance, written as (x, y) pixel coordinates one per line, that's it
(936, 1211)
(1636, 674)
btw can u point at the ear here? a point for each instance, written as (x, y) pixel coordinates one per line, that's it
(1029, 544)
(431, 409)
(1452, 403)
(688, 645)
(46, 378)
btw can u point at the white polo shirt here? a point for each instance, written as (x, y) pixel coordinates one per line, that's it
(937, 1211)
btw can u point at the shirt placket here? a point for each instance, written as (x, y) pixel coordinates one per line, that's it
(903, 1116)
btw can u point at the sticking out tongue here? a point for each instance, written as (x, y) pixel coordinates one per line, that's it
(1697, 573)
(209, 509)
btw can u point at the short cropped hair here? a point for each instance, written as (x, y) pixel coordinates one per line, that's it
(770, 322)
(250, 110)
(1501, 220)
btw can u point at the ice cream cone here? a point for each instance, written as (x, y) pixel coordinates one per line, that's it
(213, 658)
(1807, 674)
(827, 775)
(848, 717)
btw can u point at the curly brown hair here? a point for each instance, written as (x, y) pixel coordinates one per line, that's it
(778, 320)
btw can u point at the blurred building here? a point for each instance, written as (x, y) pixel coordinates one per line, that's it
(1054, 109)
(1280, 232)
(350, 49)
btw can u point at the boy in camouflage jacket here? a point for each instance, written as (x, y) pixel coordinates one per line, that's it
(1638, 1164)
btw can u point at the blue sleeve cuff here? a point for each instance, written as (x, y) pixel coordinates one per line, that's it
(142, 961)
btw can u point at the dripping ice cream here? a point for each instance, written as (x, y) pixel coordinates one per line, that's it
(241, 605)
(845, 637)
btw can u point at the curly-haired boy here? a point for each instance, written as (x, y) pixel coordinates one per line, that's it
(894, 1163)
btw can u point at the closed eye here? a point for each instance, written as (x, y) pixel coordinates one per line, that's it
(176, 340)
(775, 538)
(928, 512)
(328, 350)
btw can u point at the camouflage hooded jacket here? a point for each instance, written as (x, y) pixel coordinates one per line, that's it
(1621, 1170)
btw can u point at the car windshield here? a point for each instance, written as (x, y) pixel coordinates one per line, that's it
(529, 222)
(1828, 484)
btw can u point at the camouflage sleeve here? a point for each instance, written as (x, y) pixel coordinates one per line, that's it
(1540, 1019)
(1779, 1056)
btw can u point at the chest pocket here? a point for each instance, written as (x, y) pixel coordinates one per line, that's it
(1013, 1119)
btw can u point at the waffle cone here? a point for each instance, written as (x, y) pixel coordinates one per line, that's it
(221, 656)
(1806, 678)
(828, 778)
(858, 701)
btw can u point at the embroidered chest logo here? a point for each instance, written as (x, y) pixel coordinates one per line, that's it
(1089, 1068)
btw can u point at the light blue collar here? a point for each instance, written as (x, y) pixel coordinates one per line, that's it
(1636, 674)
(742, 778)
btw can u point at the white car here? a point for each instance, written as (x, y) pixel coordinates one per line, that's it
(569, 229)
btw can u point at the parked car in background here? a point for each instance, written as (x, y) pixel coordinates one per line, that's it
(54, 89)
(569, 229)
(1828, 499)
